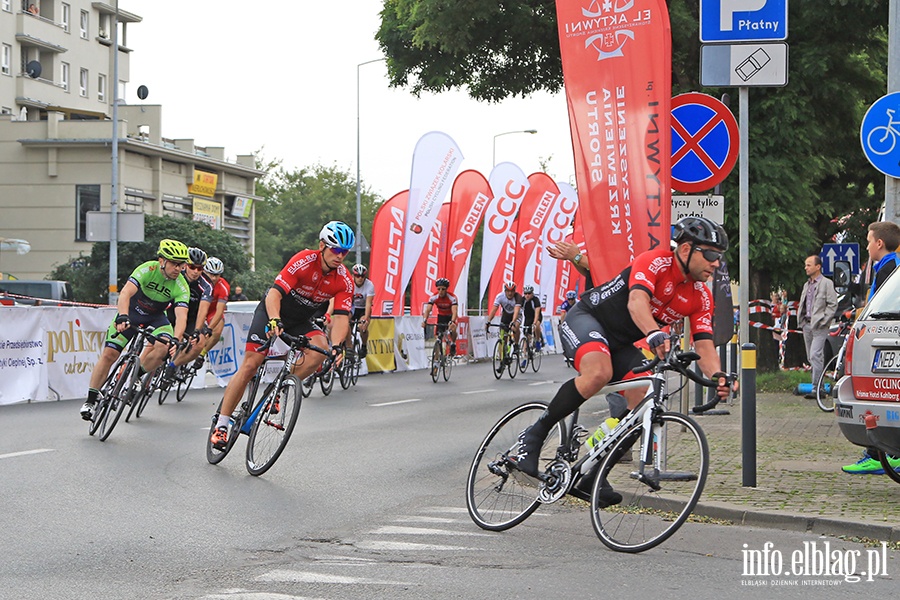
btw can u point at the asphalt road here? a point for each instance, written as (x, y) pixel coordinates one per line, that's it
(366, 502)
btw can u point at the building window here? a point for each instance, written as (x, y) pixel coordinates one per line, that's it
(64, 76)
(84, 25)
(66, 16)
(87, 198)
(7, 5)
(101, 88)
(5, 110)
(83, 83)
(6, 59)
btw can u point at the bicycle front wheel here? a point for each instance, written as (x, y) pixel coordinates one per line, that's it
(512, 364)
(118, 399)
(326, 381)
(345, 371)
(523, 354)
(436, 361)
(652, 509)
(535, 359)
(829, 378)
(498, 359)
(498, 495)
(447, 366)
(273, 426)
(183, 386)
(357, 361)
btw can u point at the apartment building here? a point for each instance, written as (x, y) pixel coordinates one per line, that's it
(57, 61)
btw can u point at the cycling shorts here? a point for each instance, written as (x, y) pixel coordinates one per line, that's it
(256, 336)
(581, 333)
(161, 328)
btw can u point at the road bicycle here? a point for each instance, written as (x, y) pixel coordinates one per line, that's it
(324, 375)
(826, 386)
(529, 352)
(122, 384)
(348, 370)
(441, 357)
(268, 418)
(882, 139)
(660, 485)
(506, 353)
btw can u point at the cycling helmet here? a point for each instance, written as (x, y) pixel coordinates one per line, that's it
(196, 256)
(172, 250)
(360, 270)
(700, 230)
(337, 235)
(571, 295)
(528, 289)
(442, 282)
(214, 266)
(510, 285)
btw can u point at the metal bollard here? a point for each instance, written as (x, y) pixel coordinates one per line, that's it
(748, 415)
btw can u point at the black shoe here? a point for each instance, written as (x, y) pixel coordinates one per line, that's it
(530, 445)
(198, 363)
(452, 349)
(606, 496)
(363, 351)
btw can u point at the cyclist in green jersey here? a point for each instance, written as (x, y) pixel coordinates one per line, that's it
(143, 300)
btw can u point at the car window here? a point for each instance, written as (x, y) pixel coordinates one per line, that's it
(887, 297)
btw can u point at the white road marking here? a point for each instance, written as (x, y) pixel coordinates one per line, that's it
(541, 382)
(26, 453)
(242, 595)
(447, 509)
(367, 545)
(285, 576)
(395, 530)
(416, 519)
(397, 402)
(478, 391)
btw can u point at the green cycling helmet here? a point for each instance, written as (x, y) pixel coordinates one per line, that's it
(173, 250)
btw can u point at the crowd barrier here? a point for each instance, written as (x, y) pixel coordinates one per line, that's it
(48, 352)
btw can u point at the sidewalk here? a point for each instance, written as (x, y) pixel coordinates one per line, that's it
(800, 485)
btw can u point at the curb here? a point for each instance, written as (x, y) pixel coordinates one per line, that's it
(796, 522)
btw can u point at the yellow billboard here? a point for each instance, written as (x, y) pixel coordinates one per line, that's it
(208, 212)
(204, 184)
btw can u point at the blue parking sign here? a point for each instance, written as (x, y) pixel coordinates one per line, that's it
(743, 20)
(880, 134)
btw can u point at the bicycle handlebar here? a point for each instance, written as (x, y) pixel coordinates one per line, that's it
(679, 362)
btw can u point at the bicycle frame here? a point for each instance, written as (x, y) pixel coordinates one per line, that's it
(251, 404)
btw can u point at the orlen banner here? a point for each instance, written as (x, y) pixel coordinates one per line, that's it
(617, 65)
(436, 160)
(554, 232)
(509, 185)
(385, 260)
(469, 198)
(429, 269)
(534, 214)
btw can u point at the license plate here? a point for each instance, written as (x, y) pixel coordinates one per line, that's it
(886, 361)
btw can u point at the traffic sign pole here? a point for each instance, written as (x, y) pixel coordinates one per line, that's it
(744, 210)
(892, 184)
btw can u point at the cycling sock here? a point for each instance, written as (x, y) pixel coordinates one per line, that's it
(92, 395)
(564, 403)
(223, 421)
(203, 352)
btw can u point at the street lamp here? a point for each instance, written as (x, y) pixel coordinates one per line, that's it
(358, 174)
(494, 159)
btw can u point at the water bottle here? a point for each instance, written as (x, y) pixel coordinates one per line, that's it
(602, 431)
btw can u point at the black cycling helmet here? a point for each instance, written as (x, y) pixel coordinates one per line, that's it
(442, 282)
(196, 256)
(700, 230)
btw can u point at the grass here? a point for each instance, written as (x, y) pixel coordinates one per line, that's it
(781, 381)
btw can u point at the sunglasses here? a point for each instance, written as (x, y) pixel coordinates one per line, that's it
(195, 267)
(179, 265)
(339, 251)
(711, 255)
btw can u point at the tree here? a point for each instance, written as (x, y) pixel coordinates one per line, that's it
(298, 203)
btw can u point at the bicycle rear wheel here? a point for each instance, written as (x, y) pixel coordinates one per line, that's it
(523, 354)
(512, 365)
(646, 517)
(140, 397)
(829, 377)
(273, 426)
(436, 361)
(184, 385)
(326, 380)
(119, 397)
(498, 359)
(345, 371)
(357, 361)
(446, 366)
(498, 495)
(535, 359)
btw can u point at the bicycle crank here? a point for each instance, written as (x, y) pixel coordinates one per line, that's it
(556, 482)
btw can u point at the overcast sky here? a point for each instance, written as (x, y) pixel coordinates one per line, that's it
(283, 78)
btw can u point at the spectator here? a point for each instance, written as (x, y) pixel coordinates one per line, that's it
(238, 294)
(818, 301)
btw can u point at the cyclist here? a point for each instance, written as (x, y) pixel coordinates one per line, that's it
(661, 287)
(447, 308)
(143, 301)
(568, 303)
(363, 295)
(511, 303)
(531, 309)
(215, 316)
(302, 288)
(201, 293)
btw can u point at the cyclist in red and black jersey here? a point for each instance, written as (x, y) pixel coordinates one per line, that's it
(660, 288)
(447, 308)
(303, 288)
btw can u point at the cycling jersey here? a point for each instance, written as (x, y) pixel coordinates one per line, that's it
(200, 291)
(883, 268)
(155, 291)
(306, 288)
(361, 292)
(566, 306)
(672, 298)
(443, 305)
(220, 293)
(529, 307)
(508, 304)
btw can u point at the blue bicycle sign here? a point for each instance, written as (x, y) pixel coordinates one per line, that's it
(879, 134)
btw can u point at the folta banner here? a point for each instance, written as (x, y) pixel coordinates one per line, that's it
(469, 198)
(429, 268)
(436, 161)
(509, 185)
(566, 278)
(555, 231)
(539, 202)
(617, 69)
(385, 259)
(503, 269)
